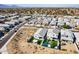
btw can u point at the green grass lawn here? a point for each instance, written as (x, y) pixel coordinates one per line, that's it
(53, 43)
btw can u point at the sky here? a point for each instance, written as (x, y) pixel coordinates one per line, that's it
(42, 5)
(49, 5)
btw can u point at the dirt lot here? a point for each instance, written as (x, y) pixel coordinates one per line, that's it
(69, 47)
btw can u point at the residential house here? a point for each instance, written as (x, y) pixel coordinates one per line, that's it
(4, 25)
(51, 34)
(40, 33)
(53, 23)
(66, 35)
(12, 24)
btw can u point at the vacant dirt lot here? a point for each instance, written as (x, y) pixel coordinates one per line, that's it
(69, 47)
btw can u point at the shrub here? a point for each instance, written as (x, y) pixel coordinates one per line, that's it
(64, 49)
(75, 52)
(31, 39)
(66, 26)
(39, 42)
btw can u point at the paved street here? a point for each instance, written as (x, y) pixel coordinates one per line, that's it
(9, 34)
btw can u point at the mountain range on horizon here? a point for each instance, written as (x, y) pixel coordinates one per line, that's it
(8, 6)
(39, 5)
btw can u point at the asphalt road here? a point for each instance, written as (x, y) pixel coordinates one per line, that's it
(9, 34)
